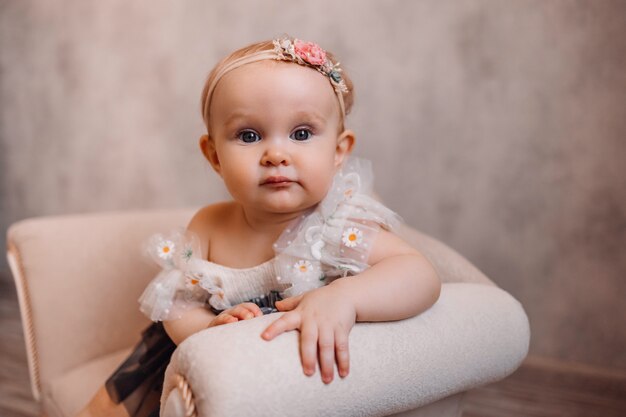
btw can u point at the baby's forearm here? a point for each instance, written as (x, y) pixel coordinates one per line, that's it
(191, 322)
(395, 288)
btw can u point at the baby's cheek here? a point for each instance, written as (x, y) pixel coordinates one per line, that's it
(238, 183)
(321, 182)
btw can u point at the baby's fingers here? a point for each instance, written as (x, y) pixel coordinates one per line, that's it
(342, 352)
(289, 303)
(308, 347)
(223, 319)
(327, 353)
(249, 311)
(242, 312)
(286, 322)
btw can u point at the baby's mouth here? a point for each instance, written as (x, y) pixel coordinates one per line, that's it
(277, 181)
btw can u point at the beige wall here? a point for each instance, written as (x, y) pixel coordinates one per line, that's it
(498, 127)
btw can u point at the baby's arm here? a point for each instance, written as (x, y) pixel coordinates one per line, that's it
(194, 320)
(198, 319)
(400, 284)
(191, 322)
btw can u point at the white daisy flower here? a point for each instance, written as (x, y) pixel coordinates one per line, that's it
(166, 249)
(303, 266)
(193, 278)
(352, 237)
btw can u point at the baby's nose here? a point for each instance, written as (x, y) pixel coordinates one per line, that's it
(275, 156)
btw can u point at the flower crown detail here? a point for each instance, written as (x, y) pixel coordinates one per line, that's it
(311, 55)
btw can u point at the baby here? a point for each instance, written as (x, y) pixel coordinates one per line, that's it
(301, 235)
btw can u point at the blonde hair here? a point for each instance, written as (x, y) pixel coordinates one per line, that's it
(205, 101)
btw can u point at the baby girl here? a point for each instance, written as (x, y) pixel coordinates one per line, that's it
(301, 238)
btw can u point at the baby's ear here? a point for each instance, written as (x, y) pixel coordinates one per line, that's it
(345, 143)
(207, 146)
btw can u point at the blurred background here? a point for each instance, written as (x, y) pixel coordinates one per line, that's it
(497, 127)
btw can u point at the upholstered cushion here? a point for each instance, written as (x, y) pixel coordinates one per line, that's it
(67, 394)
(473, 335)
(78, 279)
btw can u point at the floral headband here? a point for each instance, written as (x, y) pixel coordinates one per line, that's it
(292, 50)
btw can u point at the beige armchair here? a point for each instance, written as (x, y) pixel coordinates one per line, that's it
(79, 277)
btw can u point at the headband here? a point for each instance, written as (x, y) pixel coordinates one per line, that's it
(308, 54)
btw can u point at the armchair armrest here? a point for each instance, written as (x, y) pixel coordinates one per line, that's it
(475, 334)
(78, 278)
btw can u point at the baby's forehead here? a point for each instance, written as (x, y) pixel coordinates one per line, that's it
(268, 80)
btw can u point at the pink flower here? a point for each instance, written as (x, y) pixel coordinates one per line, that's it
(310, 52)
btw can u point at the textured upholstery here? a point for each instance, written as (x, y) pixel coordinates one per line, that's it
(79, 277)
(65, 395)
(474, 334)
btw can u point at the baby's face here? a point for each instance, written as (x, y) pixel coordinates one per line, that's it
(275, 136)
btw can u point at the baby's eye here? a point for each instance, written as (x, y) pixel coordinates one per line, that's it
(301, 135)
(248, 136)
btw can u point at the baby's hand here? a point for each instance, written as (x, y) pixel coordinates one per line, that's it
(324, 317)
(243, 311)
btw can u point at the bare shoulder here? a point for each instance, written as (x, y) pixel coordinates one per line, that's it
(207, 219)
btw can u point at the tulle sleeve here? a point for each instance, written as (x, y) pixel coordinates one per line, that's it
(336, 238)
(174, 290)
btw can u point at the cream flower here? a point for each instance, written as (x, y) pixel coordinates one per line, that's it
(166, 249)
(352, 237)
(303, 266)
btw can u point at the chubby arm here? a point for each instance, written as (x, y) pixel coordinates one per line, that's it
(400, 283)
(197, 319)
(200, 318)
(191, 322)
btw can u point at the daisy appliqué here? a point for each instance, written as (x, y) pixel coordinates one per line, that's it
(352, 237)
(305, 269)
(165, 249)
(193, 278)
(303, 266)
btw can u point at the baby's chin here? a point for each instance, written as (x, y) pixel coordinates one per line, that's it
(290, 208)
(286, 206)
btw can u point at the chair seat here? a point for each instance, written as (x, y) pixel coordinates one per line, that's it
(68, 394)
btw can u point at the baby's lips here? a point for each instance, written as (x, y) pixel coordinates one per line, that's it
(277, 179)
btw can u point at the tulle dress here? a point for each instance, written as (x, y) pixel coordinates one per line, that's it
(331, 241)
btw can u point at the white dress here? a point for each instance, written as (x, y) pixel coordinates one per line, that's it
(332, 240)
